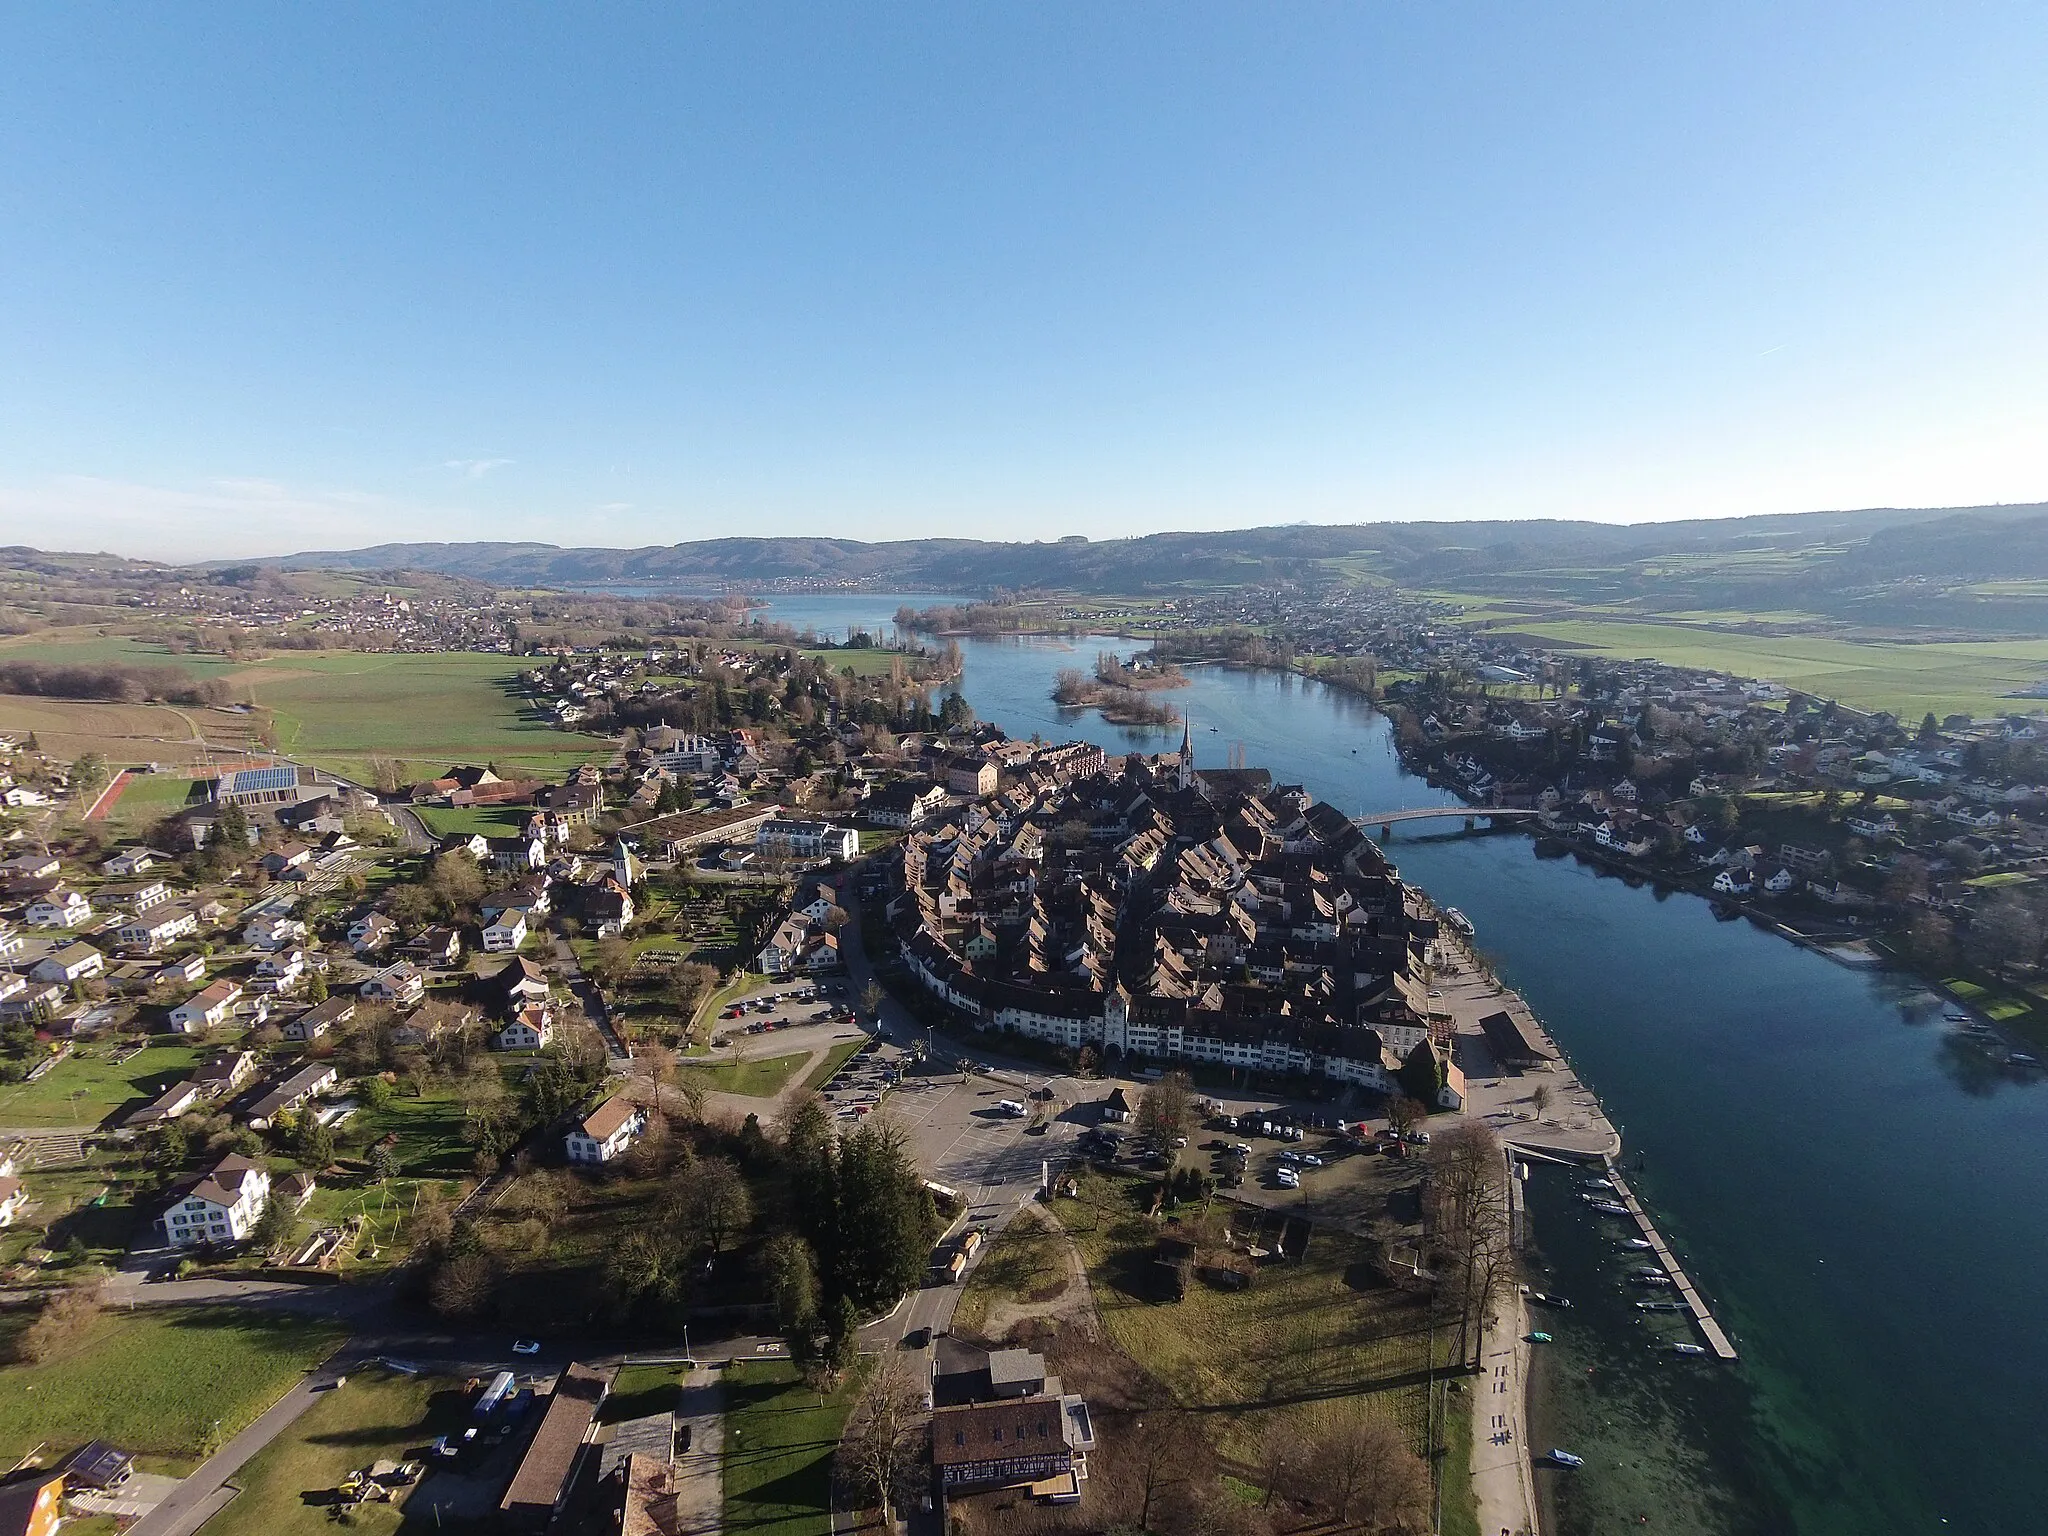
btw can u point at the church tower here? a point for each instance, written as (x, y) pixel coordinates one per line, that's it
(1186, 778)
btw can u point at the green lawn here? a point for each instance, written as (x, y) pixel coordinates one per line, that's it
(429, 1130)
(87, 1087)
(757, 1078)
(779, 1440)
(639, 1390)
(149, 797)
(161, 1382)
(286, 1489)
(465, 820)
(834, 1060)
(1320, 1336)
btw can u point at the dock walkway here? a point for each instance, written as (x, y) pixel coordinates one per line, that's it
(1701, 1315)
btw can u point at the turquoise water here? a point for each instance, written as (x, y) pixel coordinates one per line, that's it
(1866, 1209)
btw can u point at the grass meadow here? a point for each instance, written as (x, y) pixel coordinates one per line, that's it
(88, 1086)
(779, 1440)
(165, 1383)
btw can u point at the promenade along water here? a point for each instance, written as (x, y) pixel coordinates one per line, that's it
(1866, 1211)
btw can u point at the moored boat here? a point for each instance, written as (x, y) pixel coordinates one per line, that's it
(1459, 921)
(1559, 1458)
(1610, 1208)
(1688, 1349)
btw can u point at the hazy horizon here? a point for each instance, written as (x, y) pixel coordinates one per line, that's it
(281, 280)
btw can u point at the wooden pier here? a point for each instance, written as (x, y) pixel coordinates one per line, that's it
(1694, 1303)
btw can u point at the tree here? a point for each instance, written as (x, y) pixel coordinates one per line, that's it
(316, 985)
(1539, 1099)
(1166, 1110)
(716, 1202)
(463, 1285)
(884, 1438)
(871, 999)
(789, 1275)
(277, 1226)
(1366, 1476)
(1466, 1204)
(383, 1161)
(612, 963)
(2006, 933)
(231, 827)
(455, 881)
(88, 776)
(314, 1143)
(1423, 1075)
(688, 982)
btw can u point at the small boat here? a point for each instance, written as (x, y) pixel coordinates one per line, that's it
(1610, 1208)
(1651, 1280)
(1545, 1299)
(1652, 1269)
(1660, 1306)
(1459, 921)
(1559, 1458)
(1688, 1349)
(1598, 1183)
(1536, 1338)
(1637, 1244)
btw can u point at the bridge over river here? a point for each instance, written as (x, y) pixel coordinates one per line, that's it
(1469, 813)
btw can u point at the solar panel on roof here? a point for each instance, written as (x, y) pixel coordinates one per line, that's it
(246, 781)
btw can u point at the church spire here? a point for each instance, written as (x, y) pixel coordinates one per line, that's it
(1187, 756)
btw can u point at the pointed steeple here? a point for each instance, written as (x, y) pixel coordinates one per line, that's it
(1186, 775)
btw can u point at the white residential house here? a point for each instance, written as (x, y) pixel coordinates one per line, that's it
(780, 839)
(505, 931)
(401, 985)
(1779, 881)
(11, 942)
(320, 1018)
(1732, 883)
(153, 930)
(607, 1131)
(133, 861)
(74, 962)
(206, 1009)
(531, 1028)
(18, 797)
(283, 969)
(61, 908)
(295, 1092)
(372, 931)
(274, 932)
(221, 1206)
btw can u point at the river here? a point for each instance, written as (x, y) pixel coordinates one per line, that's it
(1866, 1207)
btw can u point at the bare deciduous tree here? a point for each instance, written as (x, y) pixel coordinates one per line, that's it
(884, 1437)
(1467, 1210)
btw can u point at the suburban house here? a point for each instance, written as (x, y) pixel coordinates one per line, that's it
(607, 1131)
(136, 895)
(439, 945)
(31, 866)
(798, 945)
(225, 1071)
(11, 942)
(206, 1009)
(504, 931)
(401, 985)
(33, 1000)
(220, 1205)
(293, 1093)
(284, 860)
(517, 853)
(283, 968)
(320, 1018)
(130, 862)
(74, 962)
(59, 908)
(372, 931)
(154, 930)
(1037, 1444)
(530, 1028)
(275, 931)
(520, 983)
(607, 908)
(171, 1103)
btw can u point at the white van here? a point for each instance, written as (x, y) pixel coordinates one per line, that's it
(1012, 1108)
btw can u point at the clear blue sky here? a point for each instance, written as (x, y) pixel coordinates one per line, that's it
(281, 277)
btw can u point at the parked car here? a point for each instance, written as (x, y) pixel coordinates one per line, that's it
(526, 1346)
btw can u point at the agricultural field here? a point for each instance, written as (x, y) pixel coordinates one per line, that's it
(167, 1383)
(88, 1086)
(334, 709)
(338, 709)
(289, 1488)
(1906, 678)
(778, 1449)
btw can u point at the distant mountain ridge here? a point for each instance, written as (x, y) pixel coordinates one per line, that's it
(1873, 545)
